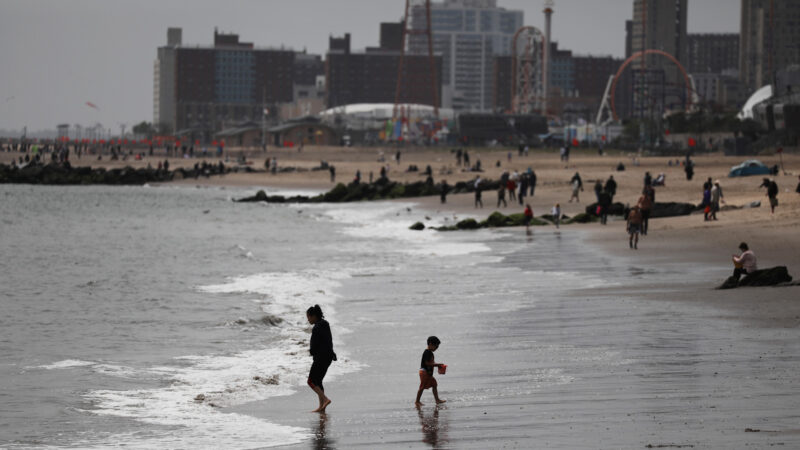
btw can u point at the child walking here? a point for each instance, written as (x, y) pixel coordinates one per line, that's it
(426, 379)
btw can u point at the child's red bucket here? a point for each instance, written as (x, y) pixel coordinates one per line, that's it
(442, 369)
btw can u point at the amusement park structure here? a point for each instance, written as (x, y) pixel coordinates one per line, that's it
(530, 59)
(527, 92)
(402, 75)
(607, 113)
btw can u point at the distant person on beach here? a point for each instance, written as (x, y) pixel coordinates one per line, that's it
(443, 191)
(634, 227)
(528, 213)
(798, 185)
(557, 214)
(523, 188)
(772, 193)
(322, 351)
(501, 196)
(611, 187)
(478, 187)
(745, 262)
(397, 157)
(577, 185)
(645, 204)
(598, 188)
(689, 169)
(706, 204)
(466, 158)
(332, 170)
(604, 203)
(426, 378)
(716, 197)
(648, 179)
(532, 180)
(511, 185)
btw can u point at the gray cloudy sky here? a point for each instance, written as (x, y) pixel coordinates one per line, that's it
(58, 54)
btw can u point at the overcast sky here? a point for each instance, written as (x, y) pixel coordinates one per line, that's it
(58, 54)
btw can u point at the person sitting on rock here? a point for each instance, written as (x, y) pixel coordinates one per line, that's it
(745, 263)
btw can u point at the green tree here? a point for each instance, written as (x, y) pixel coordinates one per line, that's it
(143, 128)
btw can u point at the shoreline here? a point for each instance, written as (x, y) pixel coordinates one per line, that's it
(369, 408)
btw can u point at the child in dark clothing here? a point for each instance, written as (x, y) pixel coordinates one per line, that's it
(426, 379)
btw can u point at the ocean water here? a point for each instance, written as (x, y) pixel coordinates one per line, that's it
(133, 316)
(172, 317)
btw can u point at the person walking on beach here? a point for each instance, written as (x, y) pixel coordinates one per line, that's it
(332, 170)
(501, 196)
(478, 200)
(523, 187)
(426, 378)
(611, 187)
(577, 185)
(444, 188)
(528, 213)
(716, 196)
(322, 351)
(532, 180)
(772, 193)
(511, 185)
(646, 205)
(745, 262)
(604, 203)
(557, 214)
(397, 157)
(634, 227)
(706, 204)
(598, 188)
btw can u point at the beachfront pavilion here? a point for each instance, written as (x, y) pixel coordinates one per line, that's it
(306, 132)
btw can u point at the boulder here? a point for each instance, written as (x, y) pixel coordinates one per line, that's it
(765, 277)
(336, 194)
(417, 226)
(260, 196)
(468, 224)
(616, 209)
(582, 218)
(671, 209)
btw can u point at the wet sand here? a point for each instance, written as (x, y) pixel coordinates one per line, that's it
(650, 354)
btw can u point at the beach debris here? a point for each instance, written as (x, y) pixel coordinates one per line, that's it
(200, 398)
(417, 226)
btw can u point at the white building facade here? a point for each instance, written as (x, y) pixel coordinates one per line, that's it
(469, 34)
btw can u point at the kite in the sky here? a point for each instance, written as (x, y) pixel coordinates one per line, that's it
(92, 105)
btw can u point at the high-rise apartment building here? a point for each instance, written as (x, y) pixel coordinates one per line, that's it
(469, 34)
(203, 89)
(657, 82)
(769, 40)
(712, 52)
(371, 76)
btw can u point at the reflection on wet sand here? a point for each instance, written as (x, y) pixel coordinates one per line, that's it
(433, 432)
(321, 441)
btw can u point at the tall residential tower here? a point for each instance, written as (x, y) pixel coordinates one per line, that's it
(469, 34)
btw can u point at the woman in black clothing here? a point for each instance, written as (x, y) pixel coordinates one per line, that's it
(322, 351)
